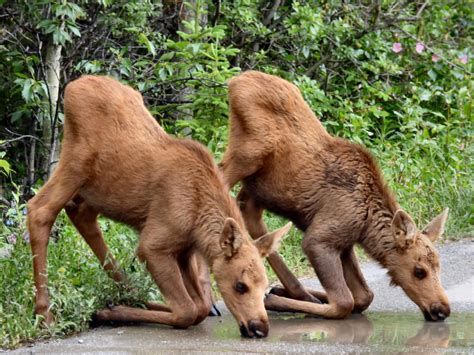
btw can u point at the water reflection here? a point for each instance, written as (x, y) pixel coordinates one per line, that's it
(377, 328)
(356, 330)
(431, 335)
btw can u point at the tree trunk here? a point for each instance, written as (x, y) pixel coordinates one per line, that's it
(31, 155)
(187, 14)
(50, 129)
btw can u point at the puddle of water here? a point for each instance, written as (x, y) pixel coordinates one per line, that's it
(392, 329)
(373, 332)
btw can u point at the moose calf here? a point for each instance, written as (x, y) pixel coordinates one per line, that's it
(334, 192)
(117, 161)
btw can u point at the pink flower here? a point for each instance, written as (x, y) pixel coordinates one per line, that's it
(435, 58)
(463, 58)
(420, 47)
(11, 239)
(397, 47)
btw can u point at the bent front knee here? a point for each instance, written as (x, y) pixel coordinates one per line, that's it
(343, 308)
(364, 302)
(203, 312)
(186, 318)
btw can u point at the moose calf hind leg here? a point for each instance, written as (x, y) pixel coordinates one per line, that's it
(84, 219)
(40, 222)
(129, 314)
(42, 212)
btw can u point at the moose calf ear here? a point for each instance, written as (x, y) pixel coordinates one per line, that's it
(435, 228)
(270, 242)
(403, 229)
(231, 238)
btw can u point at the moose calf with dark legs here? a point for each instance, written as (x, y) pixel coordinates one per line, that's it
(117, 161)
(334, 192)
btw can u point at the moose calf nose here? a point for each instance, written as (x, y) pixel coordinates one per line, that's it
(440, 311)
(256, 328)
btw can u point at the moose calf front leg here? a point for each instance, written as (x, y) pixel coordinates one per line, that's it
(198, 283)
(361, 292)
(166, 272)
(84, 219)
(327, 263)
(253, 216)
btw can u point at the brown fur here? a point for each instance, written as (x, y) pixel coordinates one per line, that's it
(118, 162)
(333, 191)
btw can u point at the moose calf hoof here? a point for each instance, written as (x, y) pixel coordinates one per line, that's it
(48, 319)
(101, 316)
(273, 302)
(279, 291)
(214, 312)
(110, 317)
(95, 321)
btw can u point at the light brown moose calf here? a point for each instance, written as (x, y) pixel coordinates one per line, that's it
(117, 161)
(334, 192)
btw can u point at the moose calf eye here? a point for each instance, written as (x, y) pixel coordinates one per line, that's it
(420, 273)
(241, 288)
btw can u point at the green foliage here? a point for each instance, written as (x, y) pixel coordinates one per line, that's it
(4, 165)
(63, 22)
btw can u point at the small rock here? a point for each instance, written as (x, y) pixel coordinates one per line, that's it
(80, 341)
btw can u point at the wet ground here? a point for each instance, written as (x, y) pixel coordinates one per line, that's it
(374, 332)
(391, 325)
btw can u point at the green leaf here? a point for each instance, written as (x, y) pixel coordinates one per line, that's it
(425, 95)
(432, 74)
(195, 47)
(162, 73)
(27, 92)
(458, 75)
(74, 30)
(16, 116)
(5, 166)
(143, 39)
(305, 52)
(167, 56)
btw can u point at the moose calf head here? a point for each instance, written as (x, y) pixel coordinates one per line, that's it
(241, 276)
(415, 266)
